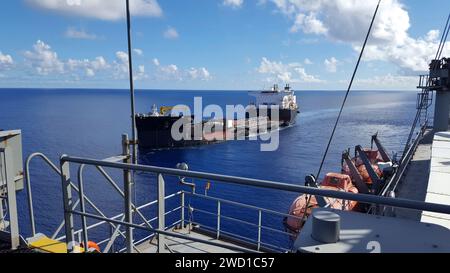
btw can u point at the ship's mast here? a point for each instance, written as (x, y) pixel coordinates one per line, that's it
(130, 69)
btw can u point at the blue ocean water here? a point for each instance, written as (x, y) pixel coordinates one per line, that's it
(89, 123)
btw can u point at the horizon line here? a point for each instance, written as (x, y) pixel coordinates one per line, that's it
(189, 89)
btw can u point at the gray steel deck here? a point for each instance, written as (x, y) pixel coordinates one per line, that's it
(438, 190)
(415, 183)
(178, 245)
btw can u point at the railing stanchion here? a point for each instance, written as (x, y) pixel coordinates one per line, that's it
(259, 228)
(111, 232)
(161, 214)
(182, 209)
(68, 202)
(82, 207)
(127, 194)
(30, 197)
(218, 219)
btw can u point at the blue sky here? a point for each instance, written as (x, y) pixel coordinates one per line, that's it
(223, 44)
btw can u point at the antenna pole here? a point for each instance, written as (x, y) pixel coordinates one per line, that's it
(130, 69)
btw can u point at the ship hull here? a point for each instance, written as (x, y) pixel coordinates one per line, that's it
(155, 132)
(286, 117)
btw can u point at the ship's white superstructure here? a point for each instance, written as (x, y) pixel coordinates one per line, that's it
(285, 98)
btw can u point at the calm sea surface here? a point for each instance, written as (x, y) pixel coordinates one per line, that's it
(89, 123)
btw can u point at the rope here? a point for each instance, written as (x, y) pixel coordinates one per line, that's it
(348, 90)
(342, 106)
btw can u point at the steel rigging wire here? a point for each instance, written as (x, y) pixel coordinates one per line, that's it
(343, 104)
(348, 90)
(422, 101)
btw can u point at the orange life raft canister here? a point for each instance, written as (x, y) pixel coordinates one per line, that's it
(332, 181)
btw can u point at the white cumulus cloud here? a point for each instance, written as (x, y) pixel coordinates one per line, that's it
(287, 73)
(233, 3)
(170, 69)
(308, 24)
(171, 33)
(45, 62)
(140, 73)
(74, 33)
(43, 59)
(138, 51)
(90, 67)
(386, 82)
(100, 9)
(173, 72)
(121, 65)
(199, 73)
(5, 60)
(348, 20)
(331, 64)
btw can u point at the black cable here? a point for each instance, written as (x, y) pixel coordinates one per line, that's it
(420, 104)
(443, 43)
(308, 197)
(442, 37)
(348, 90)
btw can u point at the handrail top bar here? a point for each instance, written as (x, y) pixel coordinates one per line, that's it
(364, 198)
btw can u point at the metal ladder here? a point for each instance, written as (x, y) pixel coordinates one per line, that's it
(424, 99)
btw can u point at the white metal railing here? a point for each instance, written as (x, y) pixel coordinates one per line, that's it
(256, 243)
(161, 230)
(156, 226)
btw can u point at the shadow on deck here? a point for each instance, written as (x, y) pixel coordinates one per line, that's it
(178, 245)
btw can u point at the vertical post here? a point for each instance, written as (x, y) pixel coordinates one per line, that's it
(259, 228)
(12, 202)
(130, 69)
(1, 201)
(218, 219)
(30, 198)
(182, 209)
(127, 194)
(68, 203)
(161, 214)
(82, 208)
(111, 232)
(1, 208)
